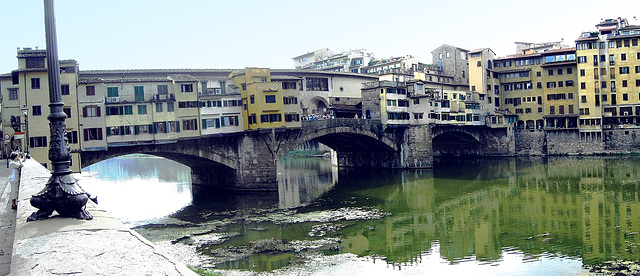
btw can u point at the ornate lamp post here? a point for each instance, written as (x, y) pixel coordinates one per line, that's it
(25, 113)
(62, 192)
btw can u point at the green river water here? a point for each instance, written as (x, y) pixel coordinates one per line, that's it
(494, 216)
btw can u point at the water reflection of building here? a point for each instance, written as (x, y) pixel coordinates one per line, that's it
(297, 186)
(579, 207)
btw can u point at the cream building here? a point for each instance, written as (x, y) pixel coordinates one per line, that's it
(27, 94)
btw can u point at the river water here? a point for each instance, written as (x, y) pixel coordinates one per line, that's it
(533, 216)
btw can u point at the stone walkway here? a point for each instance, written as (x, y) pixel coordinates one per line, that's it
(7, 225)
(65, 246)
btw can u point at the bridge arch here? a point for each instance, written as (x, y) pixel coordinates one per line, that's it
(208, 167)
(318, 105)
(456, 141)
(343, 135)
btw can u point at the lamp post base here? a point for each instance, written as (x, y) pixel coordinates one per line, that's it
(62, 194)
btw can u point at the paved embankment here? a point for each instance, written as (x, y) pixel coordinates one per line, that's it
(64, 246)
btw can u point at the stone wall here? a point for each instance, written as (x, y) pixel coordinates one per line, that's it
(530, 142)
(417, 150)
(569, 142)
(498, 142)
(626, 140)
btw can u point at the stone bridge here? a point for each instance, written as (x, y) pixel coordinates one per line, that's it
(247, 161)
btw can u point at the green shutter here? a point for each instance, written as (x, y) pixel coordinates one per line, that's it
(217, 122)
(204, 123)
(139, 92)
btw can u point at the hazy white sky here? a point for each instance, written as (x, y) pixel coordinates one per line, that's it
(145, 34)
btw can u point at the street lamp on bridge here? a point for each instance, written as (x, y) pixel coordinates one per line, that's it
(62, 192)
(25, 113)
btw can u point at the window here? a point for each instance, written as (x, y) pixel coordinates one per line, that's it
(569, 71)
(583, 85)
(624, 83)
(229, 121)
(625, 97)
(91, 111)
(91, 134)
(163, 89)
(294, 100)
(170, 107)
(552, 110)
(90, 90)
(583, 98)
(13, 94)
(112, 91)
(569, 83)
(67, 110)
(582, 72)
(114, 110)
(158, 107)
(36, 110)
(128, 110)
(550, 72)
(538, 74)
(624, 70)
(64, 89)
(559, 71)
(142, 109)
(186, 88)
(252, 99)
(35, 83)
(38, 142)
(623, 56)
(72, 137)
(35, 62)
(638, 82)
(289, 85)
(191, 124)
(551, 84)
(270, 98)
(317, 84)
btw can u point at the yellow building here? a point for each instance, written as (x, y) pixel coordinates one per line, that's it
(263, 101)
(520, 83)
(187, 111)
(609, 64)
(482, 81)
(560, 89)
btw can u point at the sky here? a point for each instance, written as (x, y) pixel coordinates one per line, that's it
(143, 34)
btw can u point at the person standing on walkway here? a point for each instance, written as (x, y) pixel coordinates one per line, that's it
(15, 165)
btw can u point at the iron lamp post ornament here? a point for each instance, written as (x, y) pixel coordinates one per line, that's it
(62, 193)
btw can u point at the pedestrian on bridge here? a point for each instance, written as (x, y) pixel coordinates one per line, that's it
(15, 165)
